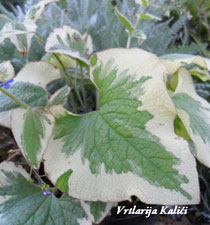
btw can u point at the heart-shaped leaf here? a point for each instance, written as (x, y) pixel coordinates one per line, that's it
(128, 147)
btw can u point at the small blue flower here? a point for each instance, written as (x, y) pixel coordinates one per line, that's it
(6, 84)
(46, 192)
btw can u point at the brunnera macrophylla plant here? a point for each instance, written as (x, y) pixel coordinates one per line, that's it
(148, 127)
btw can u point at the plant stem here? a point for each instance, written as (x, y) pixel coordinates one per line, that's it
(128, 41)
(39, 39)
(73, 102)
(83, 88)
(77, 92)
(135, 26)
(66, 77)
(69, 81)
(14, 98)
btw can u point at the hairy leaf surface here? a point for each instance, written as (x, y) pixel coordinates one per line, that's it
(127, 147)
(22, 202)
(36, 73)
(31, 94)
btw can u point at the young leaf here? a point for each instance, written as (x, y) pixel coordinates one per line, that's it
(198, 66)
(31, 94)
(62, 181)
(148, 16)
(60, 96)
(67, 41)
(22, 202)
(96, 211)
(124, 21)
(194, 112)
(7, 71)
(145, 3)
(128, 147)
(35, 11)
(139, 35)
(32, 129)
(180, 129)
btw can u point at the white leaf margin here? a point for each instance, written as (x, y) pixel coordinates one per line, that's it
(117, 187)
(17, 126)
(38, 73)
(39, 7)
(185, 85)
(174, 62)
(7, 69)
(10, 167)
(86, 207)
(63, 32)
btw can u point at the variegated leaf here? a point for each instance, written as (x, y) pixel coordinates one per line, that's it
(59, 97)
(197, 65)
(23, 203)
(38, 73)
(8, 31)
(194, 112)
(29, 93)
(67, 41)
(97, 211)
(32, 129)
(35, 11)
(7, 71)
(128, 147)
(88, 43)
(19, 34)
(55, 61)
